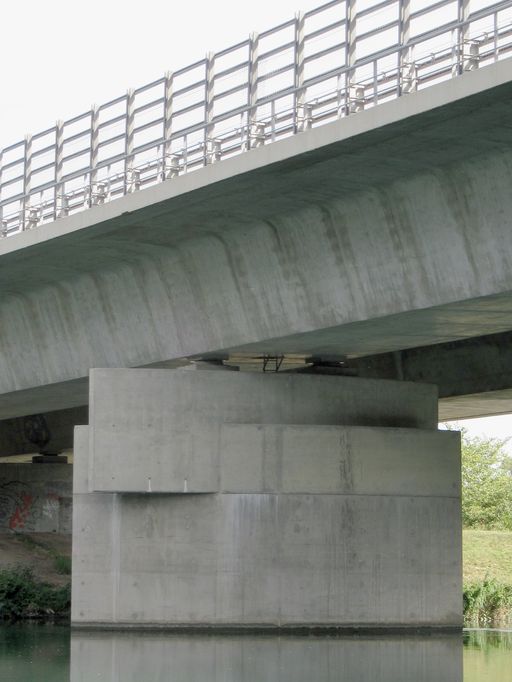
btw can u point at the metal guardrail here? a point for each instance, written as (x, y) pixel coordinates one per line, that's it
(328, 63)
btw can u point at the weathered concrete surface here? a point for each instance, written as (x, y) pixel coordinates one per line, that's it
(36, 498)
(383, 231)
(473, 376)
(166, 432)
(159, 658)
(311, 522)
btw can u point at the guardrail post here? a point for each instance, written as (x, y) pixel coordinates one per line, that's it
(134, 180)
(213, 151)
(471, 55)
(254, 130)
(300, 93)
(95, 148)
(60, 207)
(208, 107)
(409, 78)
(350, 57)
(33, 215)
(170, 165)
(130, 126)
(356, 98)
(461, 37)
(27, 179)
(407, 71)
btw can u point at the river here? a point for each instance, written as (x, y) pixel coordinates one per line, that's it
(45, 653)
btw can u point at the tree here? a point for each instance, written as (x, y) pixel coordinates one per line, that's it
(486, 483)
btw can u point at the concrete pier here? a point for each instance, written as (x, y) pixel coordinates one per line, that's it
(232, 500)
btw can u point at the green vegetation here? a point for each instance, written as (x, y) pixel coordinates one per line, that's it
(487, 603)
(61, 563)
(487, 577)
(487, 538)
(487, 553)
(486, 484)
(22, 596)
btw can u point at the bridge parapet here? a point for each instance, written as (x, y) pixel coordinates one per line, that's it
(330, 62)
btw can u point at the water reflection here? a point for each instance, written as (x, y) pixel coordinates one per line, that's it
(35, 653)
(161, 657)
(487, 656)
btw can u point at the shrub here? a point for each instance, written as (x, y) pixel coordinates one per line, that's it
(487, 603)
(22, 596)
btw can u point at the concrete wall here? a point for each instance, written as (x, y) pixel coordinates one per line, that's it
(36, 498)
(204, 521)
(159, 658)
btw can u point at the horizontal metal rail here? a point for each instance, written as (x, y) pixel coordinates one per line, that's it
(330, 62)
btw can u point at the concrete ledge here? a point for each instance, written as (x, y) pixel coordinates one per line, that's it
(282, 629)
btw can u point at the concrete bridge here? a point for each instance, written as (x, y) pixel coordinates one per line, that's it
(355, 223)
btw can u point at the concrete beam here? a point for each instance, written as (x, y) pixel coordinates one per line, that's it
(473, 376)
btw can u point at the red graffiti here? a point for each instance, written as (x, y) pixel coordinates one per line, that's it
(19, 517)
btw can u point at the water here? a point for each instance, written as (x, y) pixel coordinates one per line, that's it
(52, 654)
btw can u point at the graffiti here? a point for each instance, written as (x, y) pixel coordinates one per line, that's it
(14, 496)
(35, 506)
(21, 514)
(51, 505)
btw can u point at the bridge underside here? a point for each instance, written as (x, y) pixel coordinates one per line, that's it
(473, 378)
(368, 240)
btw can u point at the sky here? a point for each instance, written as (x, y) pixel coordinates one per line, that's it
(492, 427)
(58, 57)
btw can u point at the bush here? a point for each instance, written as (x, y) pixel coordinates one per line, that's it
(22, 596)
(486, 483)
(487, 603)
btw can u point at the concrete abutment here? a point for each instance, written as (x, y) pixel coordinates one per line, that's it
(234, 500)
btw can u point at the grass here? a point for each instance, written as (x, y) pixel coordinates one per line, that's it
(487, 554)
(487, 569)
(61, 563)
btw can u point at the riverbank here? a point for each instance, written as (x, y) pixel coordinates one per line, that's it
(35, 580)
(487, 574)
(47, 555)
(23, 597)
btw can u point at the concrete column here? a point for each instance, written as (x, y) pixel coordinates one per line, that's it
(225, 499)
